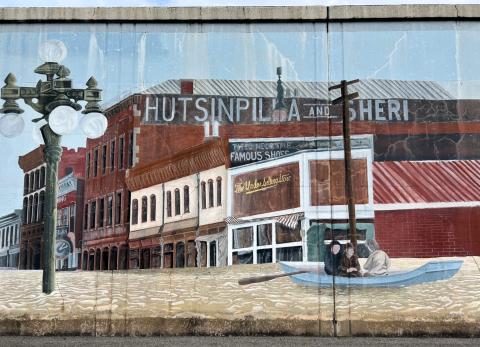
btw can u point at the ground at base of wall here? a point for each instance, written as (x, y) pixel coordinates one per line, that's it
(210, 302)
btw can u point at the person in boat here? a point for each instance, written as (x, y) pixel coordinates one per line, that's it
(349, 265)
(333, 256)
(378, 262)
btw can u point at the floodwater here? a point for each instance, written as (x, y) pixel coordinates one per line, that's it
(215, 293)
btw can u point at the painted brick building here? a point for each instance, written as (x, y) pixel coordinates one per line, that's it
(33, 166)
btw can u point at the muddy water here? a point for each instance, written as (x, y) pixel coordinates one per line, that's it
(214, 293)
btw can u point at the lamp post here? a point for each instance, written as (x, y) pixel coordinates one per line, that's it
(56, 101)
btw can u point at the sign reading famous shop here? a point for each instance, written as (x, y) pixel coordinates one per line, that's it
(196, 109)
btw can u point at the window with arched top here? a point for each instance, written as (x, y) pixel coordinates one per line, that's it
(35, 208)
(31, 182)
(42, 177)
(169, 204)
(144, 209)
(25, 185)
(41, 203)
(30, 208)
(153, 207)
(210, 193)
(186, 199)
(36, 180)
(204, 195)
(134, 211)
(25, 209)
(219, 191)
(177, 202)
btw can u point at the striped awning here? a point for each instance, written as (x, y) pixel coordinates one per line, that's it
(288, 220)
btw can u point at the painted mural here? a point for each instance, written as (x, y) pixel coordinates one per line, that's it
(203, 177)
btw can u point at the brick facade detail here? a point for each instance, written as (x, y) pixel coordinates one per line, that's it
(425, 233)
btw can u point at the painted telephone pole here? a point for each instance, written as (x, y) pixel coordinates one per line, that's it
(347, 150)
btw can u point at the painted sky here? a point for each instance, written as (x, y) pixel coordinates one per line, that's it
(127, 58)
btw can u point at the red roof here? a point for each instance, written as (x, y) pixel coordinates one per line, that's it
(426, 181)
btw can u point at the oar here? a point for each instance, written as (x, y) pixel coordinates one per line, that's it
(258, 279)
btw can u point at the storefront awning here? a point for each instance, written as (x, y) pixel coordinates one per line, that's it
(288, 220)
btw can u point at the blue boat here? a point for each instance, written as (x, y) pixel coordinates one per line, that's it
(429, 272)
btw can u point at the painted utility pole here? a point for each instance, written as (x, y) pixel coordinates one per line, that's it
(347, 150)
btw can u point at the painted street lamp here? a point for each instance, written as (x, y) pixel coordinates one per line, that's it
(56, 101)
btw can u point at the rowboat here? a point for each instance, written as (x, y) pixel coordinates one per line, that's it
(429, 272)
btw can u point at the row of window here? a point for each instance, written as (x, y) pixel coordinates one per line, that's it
(100, 213)
(177, 201)
(108, 157)
(66, 218)
(33, 208)
(34, 180)
(9, 235)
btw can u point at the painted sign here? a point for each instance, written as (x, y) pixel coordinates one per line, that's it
(267, 190)
(66, 185)
(63, 249)
(244, 152)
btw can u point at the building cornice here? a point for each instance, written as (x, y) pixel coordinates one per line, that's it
(238, 13)
(208, 155)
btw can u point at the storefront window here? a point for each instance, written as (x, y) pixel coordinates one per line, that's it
(242, 237)
(264, 256)
(168, 255)
(245, 257)
(264, 234)
(180, 255)
(289, 254)
(285, 234)
(213, 253)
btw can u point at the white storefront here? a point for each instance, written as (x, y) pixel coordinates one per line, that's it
(10, 239)
(273, 204)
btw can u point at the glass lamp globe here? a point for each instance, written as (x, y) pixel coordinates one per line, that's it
(63, 119)
(94, 124)
(52, 51)
(11, 125)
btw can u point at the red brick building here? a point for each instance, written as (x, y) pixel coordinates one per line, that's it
(106, 209)
(427, 209)
(33, 166)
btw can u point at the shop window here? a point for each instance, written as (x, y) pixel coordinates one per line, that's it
(203, 254)
(264, 256)
(168, 255)
(180, 255)
(93, 210)
(186, 199)
(177, 202)
(191, 254)
(156, 257)
(213, 253)
(204, 195)
(109, 210)
(118, 208)
(242, 237)
(134, 261)
(112, 155)
(101, 212)
(289, 254)
(264, 234)
(245, 257)
(153, 207)
(285, 234)
(104, 159)
(134, 211)
(121, 151)
(144, 209)
(169, 204)
(219, 191)
(210, 193)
